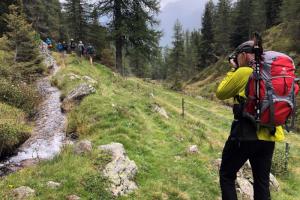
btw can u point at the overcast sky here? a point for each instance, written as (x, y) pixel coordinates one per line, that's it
(189, 13)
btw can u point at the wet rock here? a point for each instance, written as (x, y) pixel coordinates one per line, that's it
(73, 197)
(193, 149)
(120, 171)
(76, 95)
(157, 108)
(22, 193)
(83, 147)
(29, 162)
(53, 185)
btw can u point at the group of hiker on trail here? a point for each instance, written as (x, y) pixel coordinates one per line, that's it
(264, 87)
(82, 49)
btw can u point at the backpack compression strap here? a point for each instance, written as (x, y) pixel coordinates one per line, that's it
(258, 50)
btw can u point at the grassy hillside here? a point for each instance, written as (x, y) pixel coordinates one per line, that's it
(121, 111)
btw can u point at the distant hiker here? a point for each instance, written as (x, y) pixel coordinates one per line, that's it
(72, 45)
(90, 52)
(249, 137)
(49, 43)
(81, 49)
(65, 46)
(61, 49)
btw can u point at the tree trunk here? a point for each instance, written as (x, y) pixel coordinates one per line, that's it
(119, 55)
(119, 35)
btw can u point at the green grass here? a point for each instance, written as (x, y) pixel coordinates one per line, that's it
(121, 111)
(14, 129)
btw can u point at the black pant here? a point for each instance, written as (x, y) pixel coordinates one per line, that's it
(235, 154)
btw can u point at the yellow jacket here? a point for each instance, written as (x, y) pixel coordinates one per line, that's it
(234, 84)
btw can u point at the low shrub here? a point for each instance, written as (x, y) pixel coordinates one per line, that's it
(11, 136)
(22, 96)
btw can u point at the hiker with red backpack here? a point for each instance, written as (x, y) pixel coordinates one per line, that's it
(264, 87)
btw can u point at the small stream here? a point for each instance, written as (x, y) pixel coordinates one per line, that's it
(49, 132)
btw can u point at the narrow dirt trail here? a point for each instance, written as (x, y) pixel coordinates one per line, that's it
(49, 132)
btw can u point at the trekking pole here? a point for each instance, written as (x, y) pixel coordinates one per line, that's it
(257, 48)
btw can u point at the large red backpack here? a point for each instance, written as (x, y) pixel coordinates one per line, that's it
(278, 89)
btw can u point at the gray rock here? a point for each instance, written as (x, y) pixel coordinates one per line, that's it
(53, 185)
(23, 192)
(217, 163)
(246, 188)
(274, 184)
(73, 197)
(244, 180)
(157, 108)
(83, 147)
(73, 76)
(89, 80)
(120, 171)
(193, 149)
(76, 95)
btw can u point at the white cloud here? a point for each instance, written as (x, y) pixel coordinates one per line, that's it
(163, 3)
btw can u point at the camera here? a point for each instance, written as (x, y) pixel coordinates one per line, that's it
(233, 58)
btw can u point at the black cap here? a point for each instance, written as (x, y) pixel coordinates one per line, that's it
(246, 47)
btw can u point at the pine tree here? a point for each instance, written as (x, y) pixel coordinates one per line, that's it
(77, 13)
(131, 25)
(158, 69)
(241, 23)
(97, 35)
(4, 4)
(272, 12)
(177, 55)
(207, 39)
(291, 16)
(190, 56)
(196, 46)
(44, 16)
(223, 27)
(21, 39)
(258, 16)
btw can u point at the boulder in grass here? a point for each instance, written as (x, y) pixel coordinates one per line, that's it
(23, 193)
(193, 149)
(89, 80)
(160, 110)
(274, 184)
(53, 185)
(76, 95)
(73, 197)
(244, 182)
(120, 171)
(246, 188)
(83, 147)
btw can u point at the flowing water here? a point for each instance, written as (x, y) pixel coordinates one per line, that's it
(49, 133)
